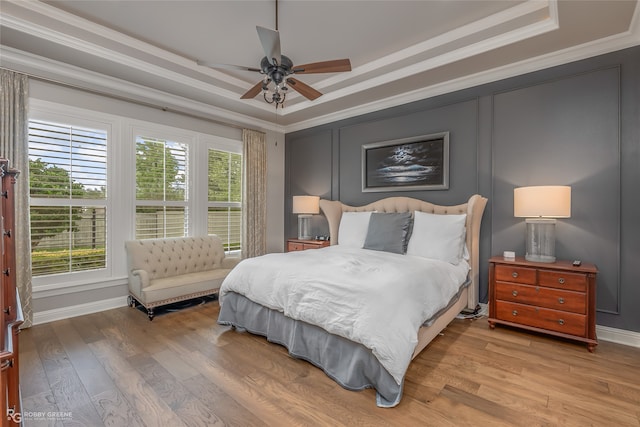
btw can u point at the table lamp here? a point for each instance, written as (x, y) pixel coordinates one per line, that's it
(305, 207)
(541, 205)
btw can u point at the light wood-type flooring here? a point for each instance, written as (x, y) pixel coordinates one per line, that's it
(116, 368)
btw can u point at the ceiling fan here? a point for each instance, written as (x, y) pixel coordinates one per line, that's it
(278, 69)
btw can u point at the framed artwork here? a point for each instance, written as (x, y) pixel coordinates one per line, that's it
(408, 164)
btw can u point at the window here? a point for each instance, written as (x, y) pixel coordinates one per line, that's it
(68, 189)
(225, 197)
(98, 180)
(161, 188)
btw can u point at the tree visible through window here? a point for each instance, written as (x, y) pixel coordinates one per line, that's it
(225, 197)
(68, 179)
(161, 188)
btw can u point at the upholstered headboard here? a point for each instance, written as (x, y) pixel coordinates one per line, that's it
(474, 208)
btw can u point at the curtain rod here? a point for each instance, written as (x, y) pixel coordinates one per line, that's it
(124, 98)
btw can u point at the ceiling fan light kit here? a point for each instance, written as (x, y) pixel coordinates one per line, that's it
(278, 68)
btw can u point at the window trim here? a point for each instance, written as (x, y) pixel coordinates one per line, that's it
(121, 189)
(189, 141)
(219, 144)
(81, 118)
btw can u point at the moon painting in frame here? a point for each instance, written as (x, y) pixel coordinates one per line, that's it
(408, 164)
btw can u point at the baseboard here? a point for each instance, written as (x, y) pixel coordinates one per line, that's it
(605, 333)
(618, 336)
(78, 310)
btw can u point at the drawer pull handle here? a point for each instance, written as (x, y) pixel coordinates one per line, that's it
(561, 321)
(514, 274)
(514, 312)
(514, 293)
(561, 300)
(6, 365)
(561, 280)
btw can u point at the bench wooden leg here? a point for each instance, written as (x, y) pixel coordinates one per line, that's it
(131, 301)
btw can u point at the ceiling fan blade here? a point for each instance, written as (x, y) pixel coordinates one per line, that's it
(270, 41)
(251, 93)
(226, 66)
(303, 89)
(334, 66)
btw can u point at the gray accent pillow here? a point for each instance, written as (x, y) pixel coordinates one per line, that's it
(388, 232)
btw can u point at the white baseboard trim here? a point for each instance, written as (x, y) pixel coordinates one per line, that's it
(605, 333)
(618, 336)
(78, 310)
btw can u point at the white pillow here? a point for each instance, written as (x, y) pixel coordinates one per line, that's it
(353, 229)
(439, 237)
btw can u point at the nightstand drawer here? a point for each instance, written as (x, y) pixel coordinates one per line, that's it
(557, 298)
(303, 245)
(553, 320)
(295, 246)
(575, 302)
(563, 280)
(507, 273)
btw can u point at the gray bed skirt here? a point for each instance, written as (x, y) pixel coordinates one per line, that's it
(350, 364)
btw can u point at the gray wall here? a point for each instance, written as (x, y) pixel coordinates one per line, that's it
(576, 124)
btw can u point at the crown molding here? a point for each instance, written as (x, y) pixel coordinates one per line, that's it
(435, 62)
(71, 20)
(609, 44)
(66, 40)
(492, 21)
(93, 80)
(299, 103)
(47, 69)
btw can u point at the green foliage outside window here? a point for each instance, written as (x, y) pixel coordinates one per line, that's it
(52, 181)
(160, 173)
(225, 176)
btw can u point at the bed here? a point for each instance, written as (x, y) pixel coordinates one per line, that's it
(397, 272)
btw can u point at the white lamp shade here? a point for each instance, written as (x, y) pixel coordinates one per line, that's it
(306, 204)
(543, 201)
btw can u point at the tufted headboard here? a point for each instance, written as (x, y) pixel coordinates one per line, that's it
(474, 208)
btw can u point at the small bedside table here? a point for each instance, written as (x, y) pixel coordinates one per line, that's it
(554, 298)
(301, 245)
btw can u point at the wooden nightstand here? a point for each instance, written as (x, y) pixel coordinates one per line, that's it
(301, 245)
(554, 298)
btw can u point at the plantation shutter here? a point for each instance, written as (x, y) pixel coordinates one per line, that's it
(161, 188)
(68, 190)
(225, 197)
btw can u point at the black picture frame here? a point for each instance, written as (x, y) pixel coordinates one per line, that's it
(409, 164)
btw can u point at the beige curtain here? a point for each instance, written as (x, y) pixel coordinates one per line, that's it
(254, 193)
(14, 95)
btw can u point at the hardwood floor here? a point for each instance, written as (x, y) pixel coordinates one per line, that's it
(116, 368)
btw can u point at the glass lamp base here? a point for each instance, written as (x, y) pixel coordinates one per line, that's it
(541, 240)
(539, 258)
(304, 227)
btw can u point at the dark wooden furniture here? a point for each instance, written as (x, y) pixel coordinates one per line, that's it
(301, 245)
(9, 302)
(554, 298)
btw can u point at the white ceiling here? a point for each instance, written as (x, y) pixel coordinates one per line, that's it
(400, 51)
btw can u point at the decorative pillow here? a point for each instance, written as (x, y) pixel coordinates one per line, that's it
(439, 237)
(353, 229)
(388, 232)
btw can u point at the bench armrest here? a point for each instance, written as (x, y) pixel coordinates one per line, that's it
(230, 262)
(139, 279)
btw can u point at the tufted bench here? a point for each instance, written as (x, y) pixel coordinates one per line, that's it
(162, 271)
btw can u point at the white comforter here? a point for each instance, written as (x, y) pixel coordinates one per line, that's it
(377, 299)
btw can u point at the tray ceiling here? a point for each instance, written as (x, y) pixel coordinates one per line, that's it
(401, 51)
